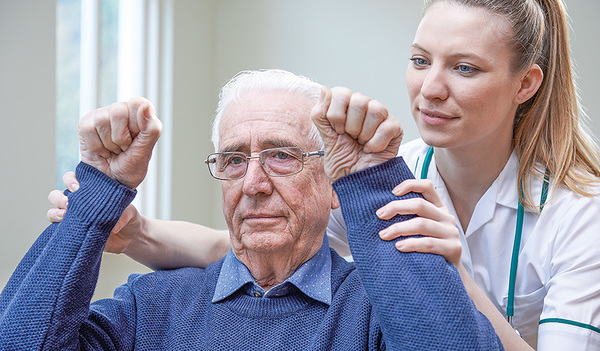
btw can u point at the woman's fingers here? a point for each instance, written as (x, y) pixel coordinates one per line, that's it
(432, 231)
(450, 249)
(423, 186)
(415, 206)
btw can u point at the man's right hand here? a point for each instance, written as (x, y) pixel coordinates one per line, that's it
(127, 230)
(118, 139)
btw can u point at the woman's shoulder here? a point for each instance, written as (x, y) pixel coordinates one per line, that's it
(561, 199)
(571, 213)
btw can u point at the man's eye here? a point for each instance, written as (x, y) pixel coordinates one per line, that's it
(282, 155)
(236, 160)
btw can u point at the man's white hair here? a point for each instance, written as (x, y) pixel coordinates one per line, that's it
(265, 81)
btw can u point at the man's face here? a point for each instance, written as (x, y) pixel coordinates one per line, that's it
(267, 214)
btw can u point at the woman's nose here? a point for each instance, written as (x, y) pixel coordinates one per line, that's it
(434, 84)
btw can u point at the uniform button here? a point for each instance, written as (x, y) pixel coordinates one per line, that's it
(256, 294)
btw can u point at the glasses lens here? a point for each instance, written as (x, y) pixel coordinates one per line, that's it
(227, 165)
(282, 161)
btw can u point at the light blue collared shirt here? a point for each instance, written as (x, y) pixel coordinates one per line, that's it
(313, 278)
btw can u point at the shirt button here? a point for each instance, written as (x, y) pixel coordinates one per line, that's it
(257, 294)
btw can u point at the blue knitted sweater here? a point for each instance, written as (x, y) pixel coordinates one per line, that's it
(389, 300)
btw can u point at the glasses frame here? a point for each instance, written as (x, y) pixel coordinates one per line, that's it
(304, 156)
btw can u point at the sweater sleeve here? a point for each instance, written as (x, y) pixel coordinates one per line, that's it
(418, 298)
(47, 298)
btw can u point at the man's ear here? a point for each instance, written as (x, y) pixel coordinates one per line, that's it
(335, 202)
(530, 83)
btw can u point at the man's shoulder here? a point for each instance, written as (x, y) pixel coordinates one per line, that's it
(341, 271)
(176, 279)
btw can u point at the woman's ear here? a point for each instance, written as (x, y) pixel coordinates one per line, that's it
(530, 83)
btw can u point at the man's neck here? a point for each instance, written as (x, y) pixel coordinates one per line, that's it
(270, 268)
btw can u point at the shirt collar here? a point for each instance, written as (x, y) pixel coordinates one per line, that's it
(502, 191)
(507, 193)
(313, 278)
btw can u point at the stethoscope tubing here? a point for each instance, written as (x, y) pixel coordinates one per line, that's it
(514, 260)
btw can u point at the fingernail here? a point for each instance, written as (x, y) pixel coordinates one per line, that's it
(383, 233)
(74, 187)
(380, 212)
(399, 245)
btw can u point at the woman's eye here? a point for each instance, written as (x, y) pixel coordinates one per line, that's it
(464, 69)
(419, 61)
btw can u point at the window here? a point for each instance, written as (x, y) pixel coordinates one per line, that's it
(107, 51)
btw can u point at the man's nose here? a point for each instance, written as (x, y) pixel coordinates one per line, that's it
(256, 180)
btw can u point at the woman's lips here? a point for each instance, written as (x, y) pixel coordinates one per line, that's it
(435, 118)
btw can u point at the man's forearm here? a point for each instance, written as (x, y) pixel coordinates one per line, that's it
(48, 296)
(419, 298)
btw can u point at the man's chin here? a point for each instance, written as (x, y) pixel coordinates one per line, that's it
(265, 241)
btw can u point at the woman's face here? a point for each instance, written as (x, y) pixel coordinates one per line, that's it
(461, 87)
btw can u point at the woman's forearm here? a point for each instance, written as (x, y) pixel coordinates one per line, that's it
(176, 244)
(510, 339)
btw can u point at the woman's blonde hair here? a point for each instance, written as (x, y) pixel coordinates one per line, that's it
(547, 127)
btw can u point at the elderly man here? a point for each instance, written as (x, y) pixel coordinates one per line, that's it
(280, 287)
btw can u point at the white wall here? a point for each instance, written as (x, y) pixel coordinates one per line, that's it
(27, 118)
(356, 43)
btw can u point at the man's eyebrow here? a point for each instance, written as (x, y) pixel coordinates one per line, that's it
(277, 143)
(233, 148)
(265, 144)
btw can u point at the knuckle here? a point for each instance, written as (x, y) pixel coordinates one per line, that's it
(86, 124)
(341, 91)
(420, 205)
(378, 109)
(118, 110)
(428, 244)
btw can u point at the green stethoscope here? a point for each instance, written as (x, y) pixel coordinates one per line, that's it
(514, 261)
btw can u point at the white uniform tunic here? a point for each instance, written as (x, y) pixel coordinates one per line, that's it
(557, 290)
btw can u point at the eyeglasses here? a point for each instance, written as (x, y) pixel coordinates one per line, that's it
(277, 162)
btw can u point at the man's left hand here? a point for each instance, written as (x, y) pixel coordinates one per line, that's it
(358, 132)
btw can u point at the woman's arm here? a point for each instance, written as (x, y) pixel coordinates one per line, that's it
(440, 236)
(510, 339)
(155, 243)
(173, 244)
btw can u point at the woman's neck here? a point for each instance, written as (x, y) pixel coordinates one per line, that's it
(468, 174)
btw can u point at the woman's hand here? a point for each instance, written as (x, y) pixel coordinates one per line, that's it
(434, 222)
(127, 229)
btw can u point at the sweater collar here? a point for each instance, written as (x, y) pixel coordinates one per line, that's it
(313, 278)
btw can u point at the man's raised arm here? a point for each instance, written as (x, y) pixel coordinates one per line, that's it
(419, 298)
(47, 298)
